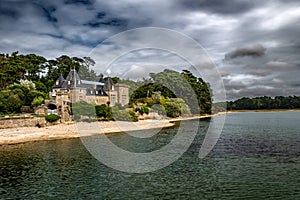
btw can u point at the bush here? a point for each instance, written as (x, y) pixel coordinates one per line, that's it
(37, 101)
(150, 104)
(142, 110)
(133, 117)
(52, 118)
(159, 109)
(101, 110)
(125, 115)
(172, 109)
(119, 106)
(185, 110)
(104, 112)
(176, 107)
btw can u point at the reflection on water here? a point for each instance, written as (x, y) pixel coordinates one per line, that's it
(257, 157)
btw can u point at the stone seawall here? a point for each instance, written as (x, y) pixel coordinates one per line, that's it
(18, 123)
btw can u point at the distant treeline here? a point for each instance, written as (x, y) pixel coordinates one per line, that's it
(278, 102)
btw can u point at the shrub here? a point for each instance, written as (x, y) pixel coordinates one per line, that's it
(104, 112)
(142, 109)
(185, 110)
(176, 107)
(119, 106)
(52, 118)
(150, 104)
(145, 109)
(101, 110)
(37, 101)
(159, 109)
(125, 115)
(172, 109)
(133, 117)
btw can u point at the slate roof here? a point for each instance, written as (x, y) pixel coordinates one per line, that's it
(72, 80)
(93, 88)
(59, 82)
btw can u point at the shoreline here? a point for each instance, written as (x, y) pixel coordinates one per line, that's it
(70, 130)
(11, 136)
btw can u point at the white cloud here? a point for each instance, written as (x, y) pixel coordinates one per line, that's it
(279, 65)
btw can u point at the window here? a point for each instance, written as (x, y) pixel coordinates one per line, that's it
(57, 82)
(124, 99)
(96, 92)
(113, 99)
(91, 91)
(80, 91)
(69, 82)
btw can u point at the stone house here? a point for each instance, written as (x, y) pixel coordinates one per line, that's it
(74, 89)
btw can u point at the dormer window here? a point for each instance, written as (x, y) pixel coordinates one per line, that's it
(96, 92)
(69, 82)
(91, 91)
(57, 82)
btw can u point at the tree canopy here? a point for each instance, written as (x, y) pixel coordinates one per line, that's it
(171, 84)
(16, 70)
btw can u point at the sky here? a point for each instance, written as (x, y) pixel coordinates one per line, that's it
(253, 44)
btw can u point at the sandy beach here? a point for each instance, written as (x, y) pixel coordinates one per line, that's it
(76, 130)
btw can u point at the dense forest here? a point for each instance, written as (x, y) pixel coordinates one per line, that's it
(265, 102)
(26, 80)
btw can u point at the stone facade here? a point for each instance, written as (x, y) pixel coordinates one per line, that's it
(122, 92)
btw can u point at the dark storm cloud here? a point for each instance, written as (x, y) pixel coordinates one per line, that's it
(223, 28)
(256, 50)
(8, 11)
(219, 6)
(84, 2)
(109, 22)
(49, 14)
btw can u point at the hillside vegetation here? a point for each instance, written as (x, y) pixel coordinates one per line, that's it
(26, 80)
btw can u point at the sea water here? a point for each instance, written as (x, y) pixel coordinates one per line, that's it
(256, 157)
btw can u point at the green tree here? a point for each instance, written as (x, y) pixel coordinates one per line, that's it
(11, 101)
(37, 101)
(194, 91)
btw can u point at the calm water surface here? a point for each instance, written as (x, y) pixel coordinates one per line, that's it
(257, 157)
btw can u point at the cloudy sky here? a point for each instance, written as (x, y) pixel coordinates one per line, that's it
(254, 44)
